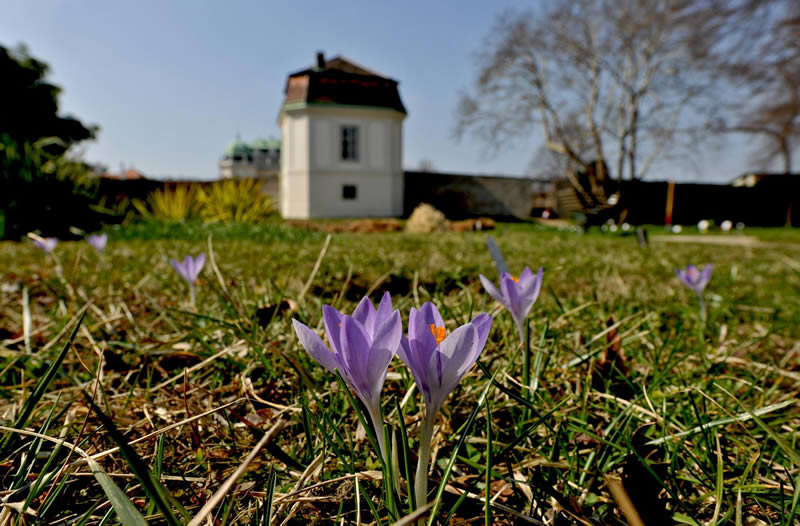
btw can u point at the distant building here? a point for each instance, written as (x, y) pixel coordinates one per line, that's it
(261, 159)
(342, 137)
(340, 155)
(755, 178)
(126, 175)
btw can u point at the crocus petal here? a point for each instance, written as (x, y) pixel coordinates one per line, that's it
(529, 292)
(384, 347)
(332, 319)
(384, 309)
(389, 334)
(417, 361)
(457, 353)
(365, 313)
(354, 355)
(705, 276)
(444, 364)
(419, 327)
(492, 290)
(483, 323)
(431, 314)
(315, 347)
(199, 261)
(525, 278)
(692, 273)
(511, 293)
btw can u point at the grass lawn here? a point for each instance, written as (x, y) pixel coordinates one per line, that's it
(632, 402)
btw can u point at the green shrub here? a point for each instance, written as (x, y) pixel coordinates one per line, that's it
(170, 204)
(44, 191)
(235, 201)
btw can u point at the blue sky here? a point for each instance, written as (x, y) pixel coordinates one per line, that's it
(171, 83)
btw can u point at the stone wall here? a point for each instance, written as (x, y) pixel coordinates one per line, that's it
(462, 196)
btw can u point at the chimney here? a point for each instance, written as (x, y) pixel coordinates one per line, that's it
(320, 60)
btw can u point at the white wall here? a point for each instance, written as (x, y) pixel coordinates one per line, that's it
(294, 194)
(313, 173)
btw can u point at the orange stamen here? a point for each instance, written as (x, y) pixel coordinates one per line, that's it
(515, 278)
(438, 333)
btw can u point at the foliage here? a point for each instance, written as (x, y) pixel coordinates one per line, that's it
(234, 201)
(230, 201)
(700, 423)
(42, 184)
(44, 191)
(29, 104)
(170, 203)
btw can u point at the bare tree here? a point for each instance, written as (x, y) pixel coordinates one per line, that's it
(755, 45)
(601, 79)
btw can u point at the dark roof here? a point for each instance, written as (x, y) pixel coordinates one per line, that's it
(343, 82)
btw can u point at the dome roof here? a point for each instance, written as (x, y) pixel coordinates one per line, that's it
(266, 144)
(237, 148)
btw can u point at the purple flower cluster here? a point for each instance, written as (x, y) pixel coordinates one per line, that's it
(362, 346)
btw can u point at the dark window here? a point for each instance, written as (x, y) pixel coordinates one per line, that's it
(349, 191)
(349, 143)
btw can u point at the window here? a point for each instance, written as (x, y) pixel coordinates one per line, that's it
(349, 191)
(349, 143)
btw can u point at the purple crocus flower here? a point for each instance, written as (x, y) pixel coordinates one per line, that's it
(98, 241)
(517, 295)
(361, 348)
(695, 279)
(189, 270)
(48, 244)
(438, 362)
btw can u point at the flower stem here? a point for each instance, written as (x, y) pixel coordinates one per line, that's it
(702, 309)
(192, 295)
(377, 425)
(391, 480)
(524, 338)
(421, 478)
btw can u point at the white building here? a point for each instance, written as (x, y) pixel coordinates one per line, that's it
(260, 159)
(342, 141)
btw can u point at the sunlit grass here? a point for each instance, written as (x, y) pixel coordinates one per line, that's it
(699, 422)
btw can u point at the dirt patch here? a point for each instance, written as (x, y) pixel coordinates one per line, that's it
(355, 225)
(367, 226)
